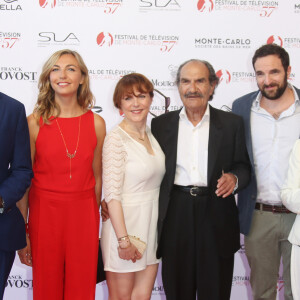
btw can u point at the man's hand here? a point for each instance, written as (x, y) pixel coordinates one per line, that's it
(104, 211)
(226, 185)
(25, 253)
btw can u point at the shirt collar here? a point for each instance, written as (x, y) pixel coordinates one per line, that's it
(256, 103)
(183, 116)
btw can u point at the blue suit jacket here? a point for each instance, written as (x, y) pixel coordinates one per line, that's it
(247, 197)
(15, 171)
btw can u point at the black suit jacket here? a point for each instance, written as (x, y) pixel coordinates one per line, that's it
(226, 151)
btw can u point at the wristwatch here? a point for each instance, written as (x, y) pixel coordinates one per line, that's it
(1, 205)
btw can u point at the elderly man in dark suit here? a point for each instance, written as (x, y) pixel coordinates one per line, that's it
(15, 177)
(206, 163)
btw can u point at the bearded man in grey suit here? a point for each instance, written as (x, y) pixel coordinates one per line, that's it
(272, 125)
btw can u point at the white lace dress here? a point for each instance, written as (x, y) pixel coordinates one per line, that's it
(133, 176)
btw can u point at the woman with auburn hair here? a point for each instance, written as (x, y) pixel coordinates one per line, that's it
(133, 168)
(66, 147)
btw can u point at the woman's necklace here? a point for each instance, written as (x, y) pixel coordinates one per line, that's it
(69, 155)
(134, 134)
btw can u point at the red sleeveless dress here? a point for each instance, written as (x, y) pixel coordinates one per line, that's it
(63, 213)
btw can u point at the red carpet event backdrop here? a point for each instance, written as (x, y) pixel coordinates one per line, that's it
(153, 37)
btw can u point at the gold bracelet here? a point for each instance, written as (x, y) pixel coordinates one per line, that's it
(123, 238)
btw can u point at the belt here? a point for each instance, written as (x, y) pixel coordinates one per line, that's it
(193, 190)
(273, 208)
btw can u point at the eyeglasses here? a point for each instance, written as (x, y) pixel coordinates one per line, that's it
(167, 103)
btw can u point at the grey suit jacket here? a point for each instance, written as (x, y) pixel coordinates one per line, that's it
(247, 197)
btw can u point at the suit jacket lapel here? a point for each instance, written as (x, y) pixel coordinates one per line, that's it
(215, 137)
(171, 139)
(247, 124)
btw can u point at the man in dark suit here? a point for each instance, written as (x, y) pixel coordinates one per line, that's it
(272, 125)
(206, 162)
(15, 177)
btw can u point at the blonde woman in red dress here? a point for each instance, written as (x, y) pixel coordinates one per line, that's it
(66, 145)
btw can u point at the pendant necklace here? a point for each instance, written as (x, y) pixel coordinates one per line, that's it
(70, 155)
(133, 133)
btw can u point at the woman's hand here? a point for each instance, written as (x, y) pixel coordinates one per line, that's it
(104, 211)
(129, 253)
(25, 253)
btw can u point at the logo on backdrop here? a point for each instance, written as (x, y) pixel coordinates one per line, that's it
(218, 42)
(10, 5)
(163, 89)
(17, 73)
(275, 39)
(47, 3)
(229, 77)
(108, 74)
(264, 9)
(224, 76)
(57, 39)
(297, 8)
(205, 5)
(163, 83)
(9, 40)
(241, 280)
(16, 281)
(280, 284)
(165, 43)
(105, 38)
(243, 77)
(286, 42)
(159, 5)
(158, 290)
(108, 6)
(173, 70)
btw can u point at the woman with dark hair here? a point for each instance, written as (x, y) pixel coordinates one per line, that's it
(66, 140)
(133, 168)
(290, 195)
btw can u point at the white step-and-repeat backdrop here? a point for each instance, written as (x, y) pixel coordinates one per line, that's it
(153, 37)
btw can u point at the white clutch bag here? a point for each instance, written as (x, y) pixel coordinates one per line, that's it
(140, 245)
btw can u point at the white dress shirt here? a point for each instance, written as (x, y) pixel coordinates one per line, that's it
(192, 150)
(272, 142)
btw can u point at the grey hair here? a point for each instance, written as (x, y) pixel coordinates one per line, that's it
(213, 78)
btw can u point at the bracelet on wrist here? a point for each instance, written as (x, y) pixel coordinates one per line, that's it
(123, 238)
(124, 242)
(26, 228)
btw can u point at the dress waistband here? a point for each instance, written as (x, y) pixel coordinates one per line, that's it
(62, 195)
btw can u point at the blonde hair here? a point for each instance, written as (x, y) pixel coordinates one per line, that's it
(45, 106)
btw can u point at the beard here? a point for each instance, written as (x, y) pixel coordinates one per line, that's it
(277, 93)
